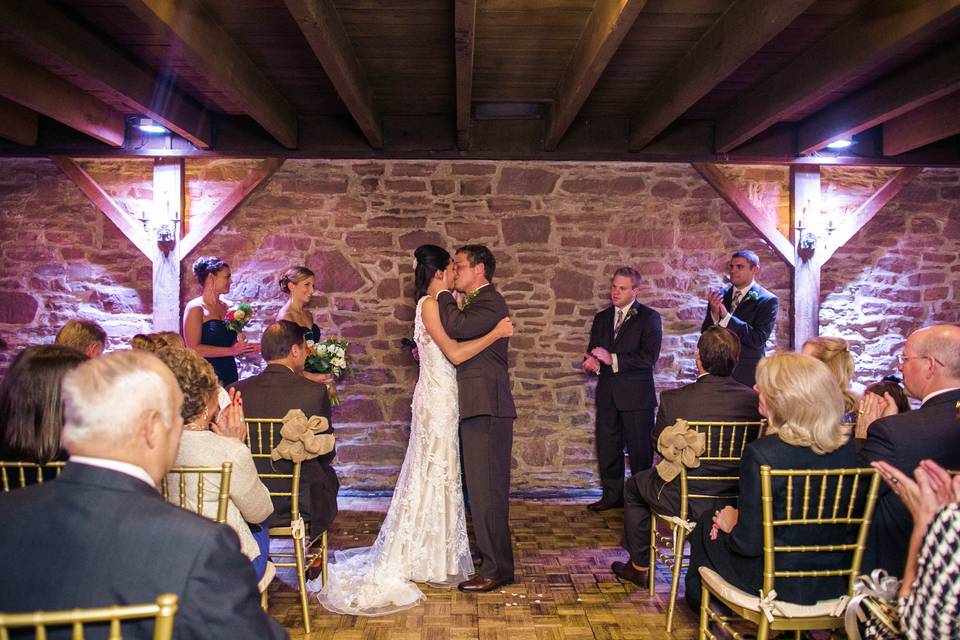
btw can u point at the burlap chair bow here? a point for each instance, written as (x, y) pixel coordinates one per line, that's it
(302, 438)
(680, 446)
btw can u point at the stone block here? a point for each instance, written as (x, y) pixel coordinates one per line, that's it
(334, 271)
(17, 307)
(414, 239)
(469, 231)
(527, 182)
(526, 229)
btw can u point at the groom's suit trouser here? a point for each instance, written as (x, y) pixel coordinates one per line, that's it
(487, 443)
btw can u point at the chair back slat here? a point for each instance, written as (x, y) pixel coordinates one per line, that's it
(852, 510)
(163, 611)
(21, 474)
(219, 476)
(262, 436)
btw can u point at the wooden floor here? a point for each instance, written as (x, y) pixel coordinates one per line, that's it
(564, 588)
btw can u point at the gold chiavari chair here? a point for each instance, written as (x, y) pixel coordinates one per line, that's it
(815, 505)
(17, 475)
(262, 436)
(163, 611)
(725, 442)
(179, 475)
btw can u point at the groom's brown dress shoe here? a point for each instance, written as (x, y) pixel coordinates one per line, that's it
(627, 572)
(481, 584)
(603, 505)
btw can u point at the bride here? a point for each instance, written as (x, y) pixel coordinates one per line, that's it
(424, 536)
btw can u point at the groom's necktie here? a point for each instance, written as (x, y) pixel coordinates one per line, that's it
(736, 300)
(618, 324)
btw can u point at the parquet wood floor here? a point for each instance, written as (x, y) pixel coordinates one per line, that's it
(564, 588)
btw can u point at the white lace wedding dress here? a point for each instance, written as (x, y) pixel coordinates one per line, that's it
(424, 536)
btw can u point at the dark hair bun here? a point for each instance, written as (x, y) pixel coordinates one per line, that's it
(205, 265)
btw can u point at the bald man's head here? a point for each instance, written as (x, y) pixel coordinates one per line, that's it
(931, 360)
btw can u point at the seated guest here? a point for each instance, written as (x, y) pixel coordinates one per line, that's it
(85, 336)
(102, 534)
(835, 353)
(31, 416)
(887, 392)
(930, 365)
(714, 396)
(279, 388)
(803, 405)
(210, 438)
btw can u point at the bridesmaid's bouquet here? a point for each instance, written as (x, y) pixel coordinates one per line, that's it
(238, 316)
(328, 356)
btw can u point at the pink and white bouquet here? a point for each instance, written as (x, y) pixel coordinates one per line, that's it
(238, 316)
(328, 356)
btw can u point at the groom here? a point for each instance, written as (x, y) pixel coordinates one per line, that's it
(486, 413)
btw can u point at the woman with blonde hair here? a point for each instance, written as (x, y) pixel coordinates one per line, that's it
(835, 353)
(803, 404)
(298, 284)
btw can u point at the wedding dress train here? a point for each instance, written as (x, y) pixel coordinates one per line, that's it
(424, 536)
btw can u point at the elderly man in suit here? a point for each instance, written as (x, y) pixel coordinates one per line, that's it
(487, 413)
(624, 347)
(747, 309)
(102, 534)
(930, 365)
(279, 388)
(713, 396)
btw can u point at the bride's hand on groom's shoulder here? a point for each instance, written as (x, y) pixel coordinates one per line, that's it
(505, 328)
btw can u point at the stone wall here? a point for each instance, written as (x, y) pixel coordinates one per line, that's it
(557, 229)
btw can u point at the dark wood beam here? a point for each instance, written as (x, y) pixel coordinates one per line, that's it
(804, 211)
(102, 201)
(36, 88)
(464, 41)
(753, 216)
(606, 27)
(321, 25)
(745, 27)
(882, 29)
(37, 24)
(202, 228)
(214, 54)
(850, 225)
(931, 122)
(894, 95)
(18, 124)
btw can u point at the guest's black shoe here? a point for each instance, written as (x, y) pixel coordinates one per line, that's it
(481, 584)
(627, 572)
(603, 504)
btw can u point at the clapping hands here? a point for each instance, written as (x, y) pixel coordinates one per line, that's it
(929, 491)
(229, 422)
(717, 309)
(874, 407)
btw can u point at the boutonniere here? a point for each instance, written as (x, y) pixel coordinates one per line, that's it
(470, 298)
(631, 313)
(751, 295)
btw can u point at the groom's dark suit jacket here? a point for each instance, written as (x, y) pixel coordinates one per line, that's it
(483, 380)
(96, 537)
(753, 322)
(637, 346)
(270, 395)
(931, 432)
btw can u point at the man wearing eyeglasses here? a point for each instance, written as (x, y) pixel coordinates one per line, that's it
(930, 365)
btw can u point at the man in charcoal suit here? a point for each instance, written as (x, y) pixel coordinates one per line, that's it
(714, 396)
(103, 535)
(624, 347)
(747, 309)
(930, 365)
(279, 388)
(487, 413)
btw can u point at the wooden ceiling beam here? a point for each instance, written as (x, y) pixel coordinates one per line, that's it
(321, 25)
(214, 54)
(464, 41)
(907, 89)
(18, 124)
(36, 88)
(38, 24)
(932, 122)
(882, 29)
(745, 27)
(606, 27)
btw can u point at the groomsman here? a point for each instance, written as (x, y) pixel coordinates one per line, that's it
(747, 309)
(624, 347)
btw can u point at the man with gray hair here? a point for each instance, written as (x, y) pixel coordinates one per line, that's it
(930, 365)
(102, 534)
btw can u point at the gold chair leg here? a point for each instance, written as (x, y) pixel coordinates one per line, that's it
(704, 605)
(763, 630)
(323, 558)
(653, 553)
(263, 601)
(302, 582)
(678, 541)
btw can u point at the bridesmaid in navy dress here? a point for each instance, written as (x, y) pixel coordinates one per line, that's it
(298, 284)
(203, 328)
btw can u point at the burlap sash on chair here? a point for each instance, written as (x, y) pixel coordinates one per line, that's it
(302, 438)
(680, 446)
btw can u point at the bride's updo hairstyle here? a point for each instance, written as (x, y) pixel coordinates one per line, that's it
(430, 259)
(208, 265)
(294, 275)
